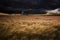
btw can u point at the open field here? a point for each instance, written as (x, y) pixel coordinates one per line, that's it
(29, 27)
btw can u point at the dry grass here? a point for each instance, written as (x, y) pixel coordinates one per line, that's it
(30, 27)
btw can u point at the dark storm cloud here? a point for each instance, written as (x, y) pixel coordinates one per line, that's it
(30, 3)
(21, 5)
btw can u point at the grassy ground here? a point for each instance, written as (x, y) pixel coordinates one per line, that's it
(29, 27)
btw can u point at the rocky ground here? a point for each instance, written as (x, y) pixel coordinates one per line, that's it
(29, 27)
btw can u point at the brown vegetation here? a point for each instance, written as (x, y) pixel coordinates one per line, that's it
(29, 27)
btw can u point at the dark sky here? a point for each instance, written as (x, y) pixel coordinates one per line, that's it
(30, 3)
